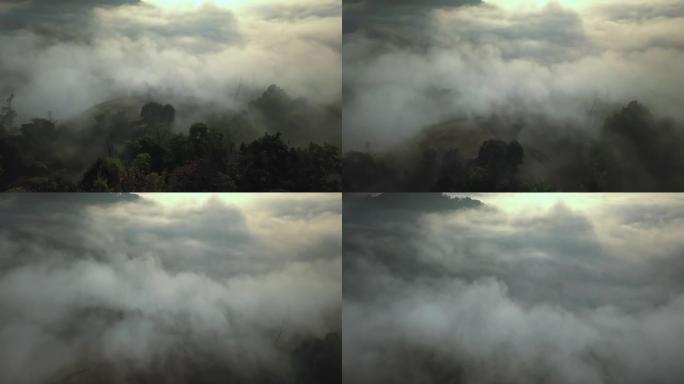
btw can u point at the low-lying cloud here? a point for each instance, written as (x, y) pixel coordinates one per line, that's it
(514, 289)
(572, 65)
(120, 288)
(64, 57)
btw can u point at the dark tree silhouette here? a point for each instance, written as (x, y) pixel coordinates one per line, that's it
(121, 153)
(265, 165)
(364, 172)
(106, 175)
(155, 113)
(451, 173)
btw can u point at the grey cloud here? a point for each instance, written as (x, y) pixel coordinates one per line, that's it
(394, 206)
(197, 32)
(381, 17)
(298, 12)
(412, 3)
(550, 35)
(120, 288)
(643, 11)
(210, 56)
(290, 207)
(561, 81)
(55, 20)
(483, 295)
(382, 231)
(76, 21)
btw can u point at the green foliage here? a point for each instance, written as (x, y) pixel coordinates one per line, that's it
(154, 182)
(319, 168)
(143, 155)
(368, 173)
(265, 165)
(531, 184)
(494, 169)
(194, 176)
(142, 163)
(180, 150)
(147, 145)
(139, 176)
(46, 184)
(100, 185)
(155, 113)
(106, 175)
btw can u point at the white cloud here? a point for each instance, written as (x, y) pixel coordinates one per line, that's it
(92, 280)
(552, 59)
(572, 291)
(205, 53)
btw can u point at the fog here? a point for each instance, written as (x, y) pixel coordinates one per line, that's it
(170, 288)
(66, 56)
(568, 80)
(84, 83)
(513, 288)
(412, 65)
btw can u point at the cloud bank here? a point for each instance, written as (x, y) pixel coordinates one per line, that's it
(190, 288)
(513, 288)
(66, 56)
(561, 65)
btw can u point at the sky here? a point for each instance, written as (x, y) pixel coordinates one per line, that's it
(515, 288)
(65, 56)
(168, 287)
(563, 65)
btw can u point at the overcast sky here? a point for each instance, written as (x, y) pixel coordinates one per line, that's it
(171, 285)
(513, 288)
(408, 65)
(67, 55)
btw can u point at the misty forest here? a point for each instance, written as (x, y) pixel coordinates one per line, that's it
(513, 288)
(513, 95)
(634, 151)
(157, 95)
(123, 151)
(170, 288)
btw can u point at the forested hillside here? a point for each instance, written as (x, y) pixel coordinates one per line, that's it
(276, 143)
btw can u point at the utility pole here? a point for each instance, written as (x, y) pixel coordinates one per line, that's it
(7, 115)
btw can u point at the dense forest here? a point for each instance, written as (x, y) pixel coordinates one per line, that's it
(277, 143)
(634, 151)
